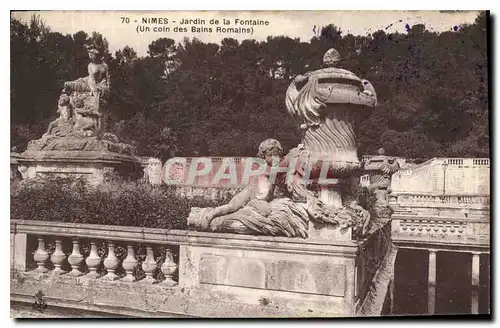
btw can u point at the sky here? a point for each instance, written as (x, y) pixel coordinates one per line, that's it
(295, 24)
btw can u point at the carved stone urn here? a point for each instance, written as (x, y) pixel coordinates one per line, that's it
(325, 103)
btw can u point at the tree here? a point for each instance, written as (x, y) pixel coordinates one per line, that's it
(196, 98)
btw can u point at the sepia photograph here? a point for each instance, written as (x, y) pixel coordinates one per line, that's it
(250, 164)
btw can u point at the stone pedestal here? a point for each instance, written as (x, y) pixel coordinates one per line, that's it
(96, 166)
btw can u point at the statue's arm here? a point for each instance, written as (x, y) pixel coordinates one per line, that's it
(239, 201)
(52, 125)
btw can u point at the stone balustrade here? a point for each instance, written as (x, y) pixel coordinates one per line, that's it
(445, 231)
(408, 199)
(93, 255)
(159, 272)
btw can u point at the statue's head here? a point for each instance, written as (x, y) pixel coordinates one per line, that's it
(269, 150)
(78, 102)
(93, 53)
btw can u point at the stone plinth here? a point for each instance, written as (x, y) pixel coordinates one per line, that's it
(294, 273)
(96, 166)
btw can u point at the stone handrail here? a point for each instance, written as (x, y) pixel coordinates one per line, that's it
(440, 230)
(165, 236)
(420, 198)
(466, 162)
(131, 236)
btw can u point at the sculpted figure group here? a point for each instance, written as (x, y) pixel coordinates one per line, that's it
(256, 210)
(326, 104)
(80, 106)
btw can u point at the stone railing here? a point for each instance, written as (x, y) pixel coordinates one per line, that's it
(445, 231)
(158, 272)
(95, 251)
(409, 199)
(465, 162)
(207, 192)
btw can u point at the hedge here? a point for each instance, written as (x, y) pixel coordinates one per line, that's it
(117, 203)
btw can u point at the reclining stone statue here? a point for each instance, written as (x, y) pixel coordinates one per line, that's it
(253, 210)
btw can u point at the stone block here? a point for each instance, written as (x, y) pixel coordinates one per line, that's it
(18, 244)
(315, 277)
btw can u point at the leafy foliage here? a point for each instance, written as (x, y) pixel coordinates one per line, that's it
(117, 203)
(223, 100)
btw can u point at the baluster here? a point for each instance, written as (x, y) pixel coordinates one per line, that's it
(111, 263)
(75, 259)
(129, 264)
(58, 258)
(168, 268)
(41, 256)
(149, 266)
(93, 262)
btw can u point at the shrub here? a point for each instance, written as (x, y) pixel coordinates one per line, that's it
(367, 199)
(117, 203)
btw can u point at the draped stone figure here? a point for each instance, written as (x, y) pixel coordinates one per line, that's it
(97, 83)
(254, 210)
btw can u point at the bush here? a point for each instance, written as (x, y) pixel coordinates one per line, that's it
(116, 203)
(367, 199)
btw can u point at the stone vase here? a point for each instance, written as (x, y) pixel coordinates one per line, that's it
(58, 258)
(149, 266)
(93, 262)
(75, 259)
(41, 256)
(168, 268)
(129, 264)
(111, 263)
